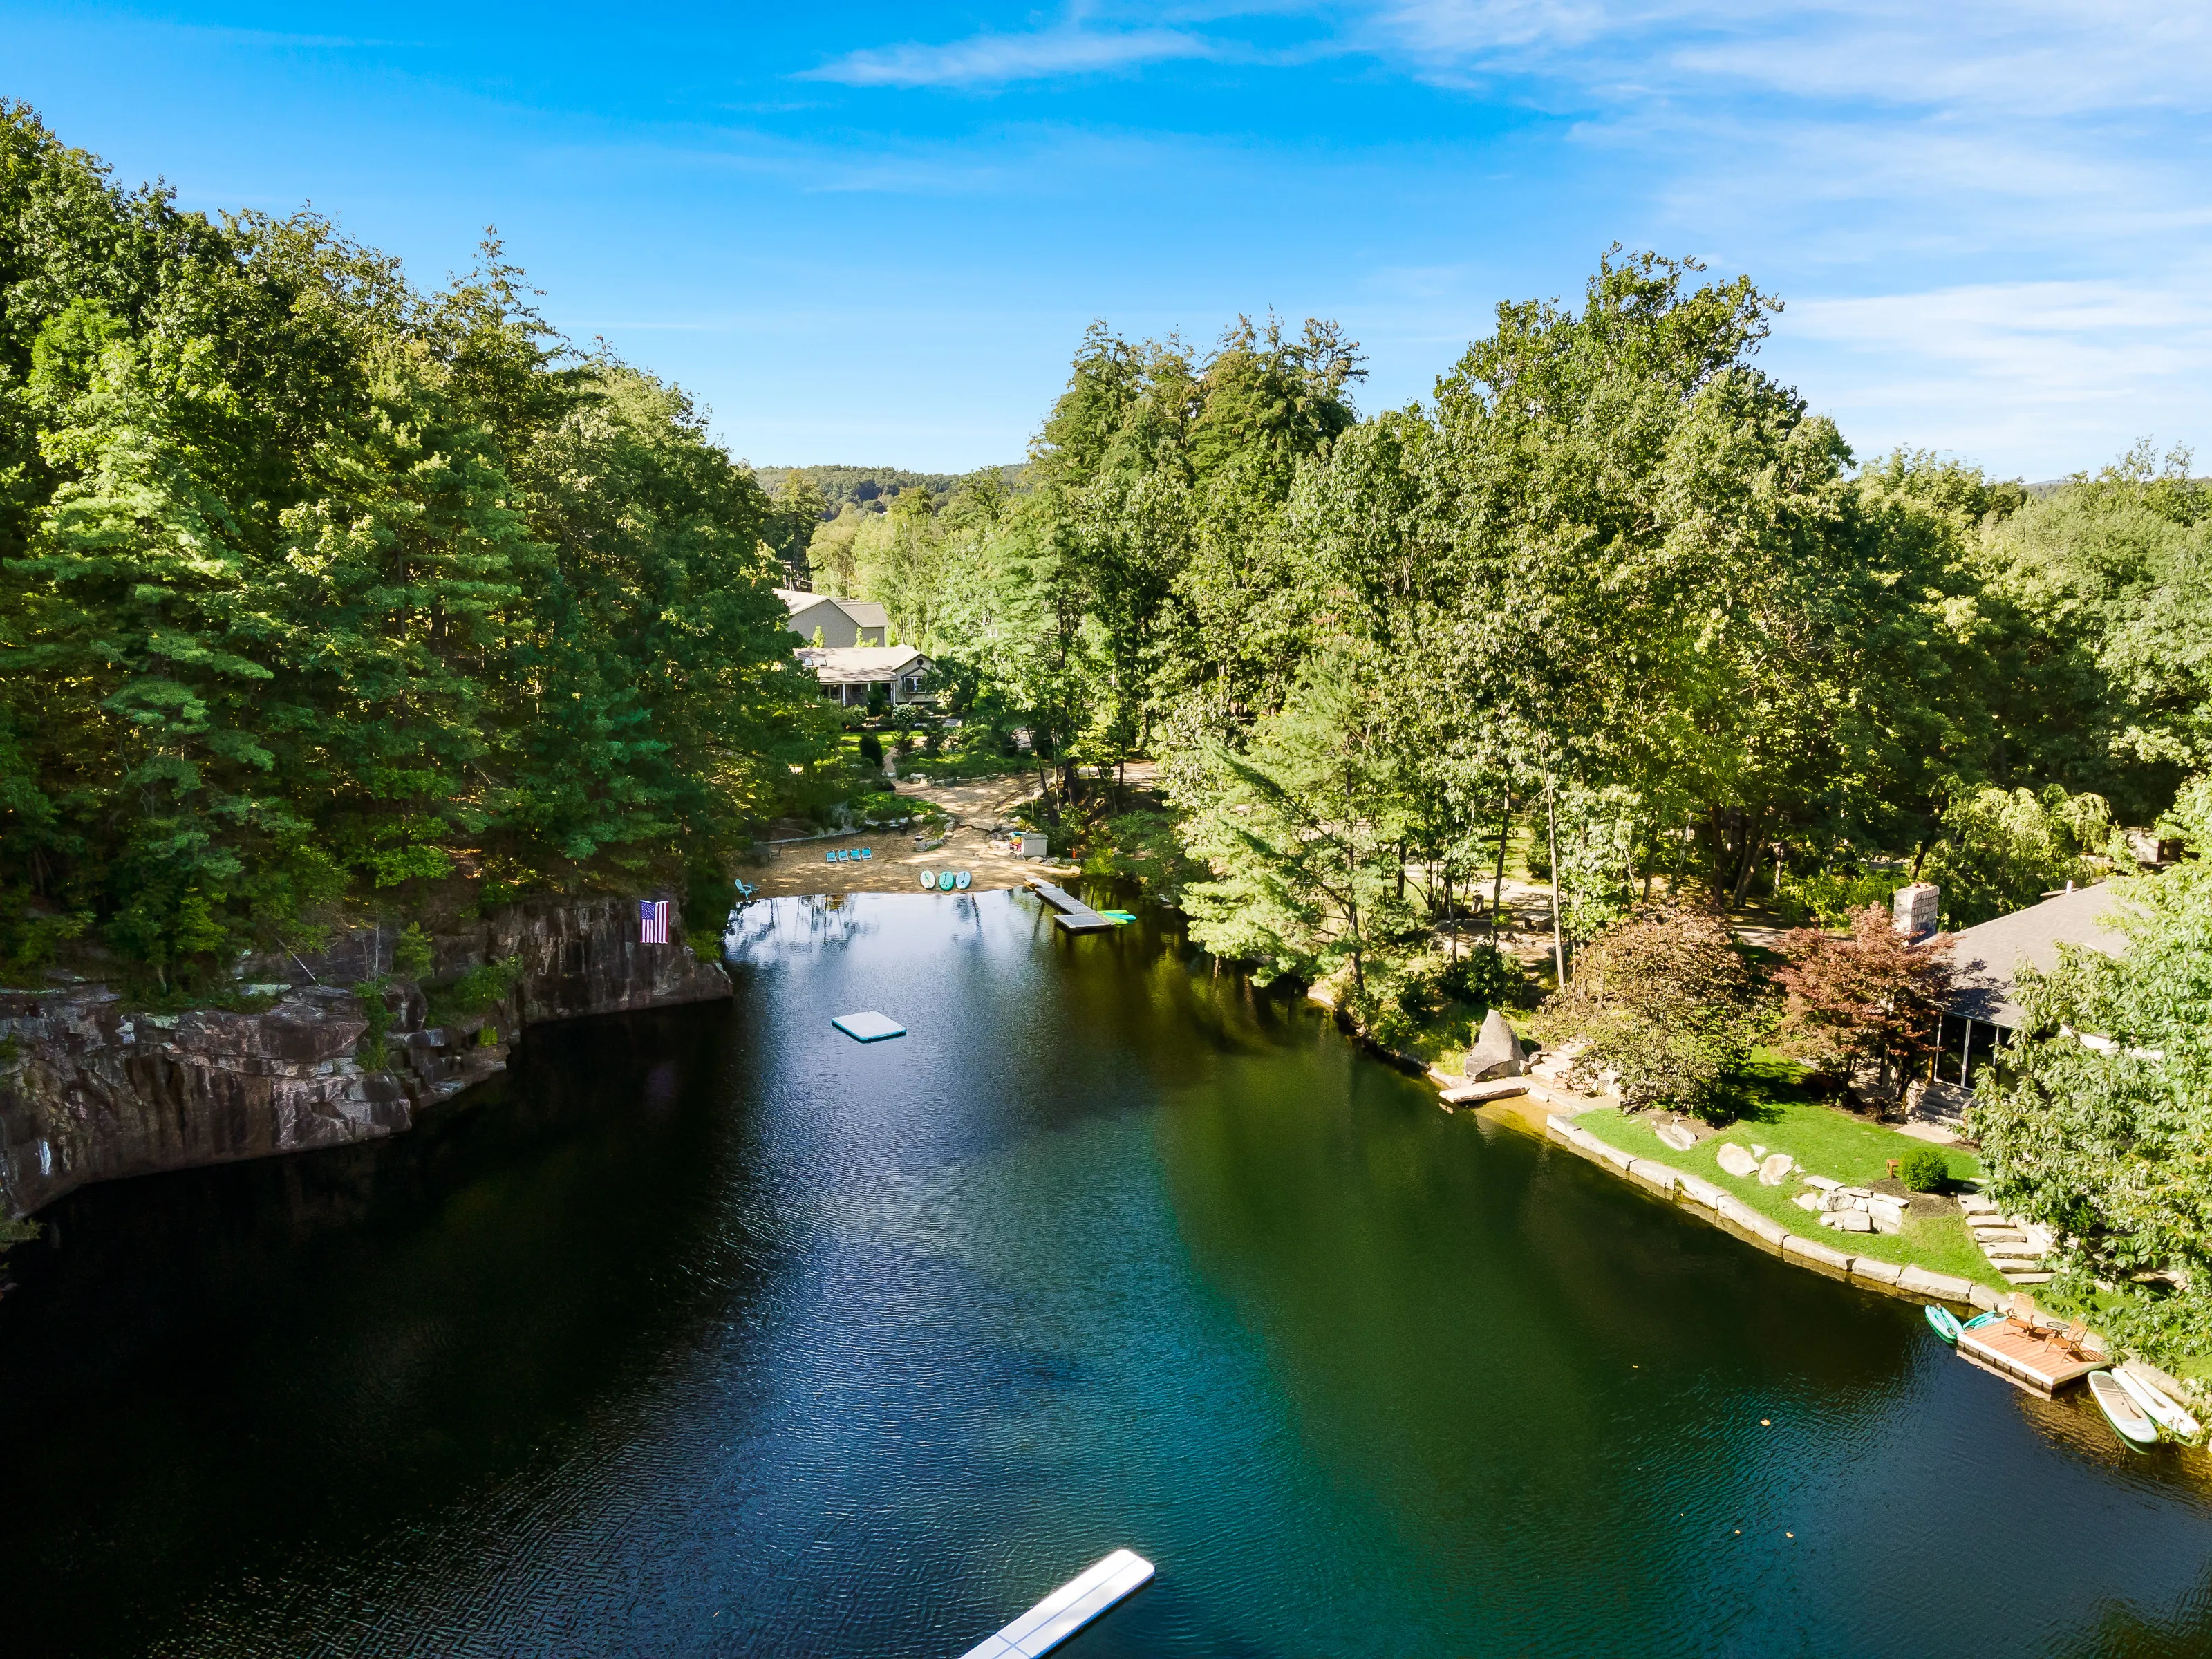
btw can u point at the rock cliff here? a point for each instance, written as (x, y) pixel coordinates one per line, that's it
(91, 1089)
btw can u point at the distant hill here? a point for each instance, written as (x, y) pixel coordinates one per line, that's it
(873, 488)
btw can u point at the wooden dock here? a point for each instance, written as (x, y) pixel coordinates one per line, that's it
(2040, 1364)
(1068, 1609)
(1074, 914)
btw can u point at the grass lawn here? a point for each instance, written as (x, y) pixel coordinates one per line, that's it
(1826, 1141)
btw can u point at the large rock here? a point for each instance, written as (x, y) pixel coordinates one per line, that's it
(1737, 1162)
(1775, 1168)
(1497, 1051)
(1848, 1221)
(94, 1093)
(1680, 1136)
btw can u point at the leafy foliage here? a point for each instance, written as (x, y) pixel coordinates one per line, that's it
(1924, 1169)
(313, 586)
(1664, 999)
(1869, 999)
(2099, 1123)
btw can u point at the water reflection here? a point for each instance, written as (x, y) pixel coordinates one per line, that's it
(715, 1333)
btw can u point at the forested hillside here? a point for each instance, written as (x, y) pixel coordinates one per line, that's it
(317, 589)
(1616, 585)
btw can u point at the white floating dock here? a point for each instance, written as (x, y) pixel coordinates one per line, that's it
(868, 1027)
(1074, 914)
(1068, 1609)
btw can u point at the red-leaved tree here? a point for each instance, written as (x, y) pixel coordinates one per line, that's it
(1870, 999)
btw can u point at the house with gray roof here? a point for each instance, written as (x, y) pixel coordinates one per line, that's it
(842, 623)
(849, 673)
(1987, 959)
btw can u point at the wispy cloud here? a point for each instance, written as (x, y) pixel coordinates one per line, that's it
(998, 59)
(2040, 376)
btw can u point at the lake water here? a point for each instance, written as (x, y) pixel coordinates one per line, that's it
(712, 1332)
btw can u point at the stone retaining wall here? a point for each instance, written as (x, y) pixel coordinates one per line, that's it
(1730, 1212)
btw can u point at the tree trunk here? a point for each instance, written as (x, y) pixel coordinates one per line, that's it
(1498, 880)
(1552, 829)
(1750, 866)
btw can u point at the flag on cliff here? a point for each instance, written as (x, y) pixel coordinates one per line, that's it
(652, 922)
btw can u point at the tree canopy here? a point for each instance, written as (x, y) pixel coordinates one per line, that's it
(314, 586)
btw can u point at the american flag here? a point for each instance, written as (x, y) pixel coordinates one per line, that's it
(652, 922)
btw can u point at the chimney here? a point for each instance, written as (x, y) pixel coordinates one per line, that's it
(1912, 909)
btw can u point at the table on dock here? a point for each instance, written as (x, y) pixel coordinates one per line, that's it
(1074, 914)
(2040, 1362)
(1068, 1609)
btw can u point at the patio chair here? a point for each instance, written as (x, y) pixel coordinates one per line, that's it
(2068, 1340)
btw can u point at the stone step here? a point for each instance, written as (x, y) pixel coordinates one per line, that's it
(2027, 1279)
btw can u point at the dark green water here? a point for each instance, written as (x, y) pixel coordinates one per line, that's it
(715, 1332)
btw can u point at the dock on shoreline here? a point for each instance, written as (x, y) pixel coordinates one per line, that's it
(1075, 915)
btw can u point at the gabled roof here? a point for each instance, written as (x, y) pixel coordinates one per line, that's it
(867, 613)
(1989, 956)
(860, 664)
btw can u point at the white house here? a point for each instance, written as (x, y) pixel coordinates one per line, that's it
(848, 672)
(842, 622)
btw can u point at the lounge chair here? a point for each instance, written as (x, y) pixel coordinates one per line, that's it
(2069, 1339)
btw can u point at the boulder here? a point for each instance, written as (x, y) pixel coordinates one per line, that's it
(1702, 1192)
(1848, 1221)
(1823, 1182)
(1947, 1286)
(1497, 1051)
(1812, 1201)
(1822, 1253)
(1737, 1162)
(1680, 1136)
(1468, 1094)
(1775, 1169)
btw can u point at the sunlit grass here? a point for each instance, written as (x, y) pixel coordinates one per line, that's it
(1824, 1140)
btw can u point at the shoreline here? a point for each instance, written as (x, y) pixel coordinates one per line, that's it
(1721, 1210)
(1732, 1215)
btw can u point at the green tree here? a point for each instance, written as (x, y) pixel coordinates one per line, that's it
(1665, 1001)
(2096, 1123)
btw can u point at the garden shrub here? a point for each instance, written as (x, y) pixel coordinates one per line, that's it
(1924, 1169)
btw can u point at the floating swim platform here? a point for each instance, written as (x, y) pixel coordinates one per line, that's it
(868, 1026)
(1074, 914)
(1068, 1609)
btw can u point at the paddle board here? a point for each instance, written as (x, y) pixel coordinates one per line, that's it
(2130, 1421)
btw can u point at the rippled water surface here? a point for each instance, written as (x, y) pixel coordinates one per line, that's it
(712, 1332)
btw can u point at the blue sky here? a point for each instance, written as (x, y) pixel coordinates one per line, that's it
(873, 234)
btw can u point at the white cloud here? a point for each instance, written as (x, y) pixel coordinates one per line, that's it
(2037, 377)
(997, 59)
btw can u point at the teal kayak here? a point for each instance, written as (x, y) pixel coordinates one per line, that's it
(1945, 1323)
